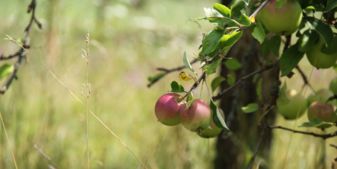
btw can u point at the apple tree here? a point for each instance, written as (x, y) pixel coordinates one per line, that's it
(253, 44)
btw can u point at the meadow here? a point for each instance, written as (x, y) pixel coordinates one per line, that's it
(71, 110)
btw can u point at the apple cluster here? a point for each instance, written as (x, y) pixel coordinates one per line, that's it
(286, 19)
(197, 117)
(292, 105)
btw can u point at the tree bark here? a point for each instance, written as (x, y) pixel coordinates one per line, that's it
(251, 139)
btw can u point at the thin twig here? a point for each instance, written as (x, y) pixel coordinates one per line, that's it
(304, 77)
(195, 85)
(263, 4)
(167, 71)
(20, 54)
(323, 136)
(243, 78)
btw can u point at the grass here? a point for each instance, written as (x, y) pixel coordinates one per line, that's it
(45, 122)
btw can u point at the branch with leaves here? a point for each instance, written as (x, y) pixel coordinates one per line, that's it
(11, 71)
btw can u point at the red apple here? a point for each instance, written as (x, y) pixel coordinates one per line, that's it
(168, 109)
(322, 111)
(197, 116)
(283, 19)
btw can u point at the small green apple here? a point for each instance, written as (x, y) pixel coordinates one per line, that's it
(333, 86)
(281, 19)
(291, 105)
(210, 131)
(318, 58)
(322, 95)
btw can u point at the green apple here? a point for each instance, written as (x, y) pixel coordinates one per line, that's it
(318, 58)
(285, 18)
(322, 111)
(209, 132)
(322, 95)
(333, 86)
(291, 105)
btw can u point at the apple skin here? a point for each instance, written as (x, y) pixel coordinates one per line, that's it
(209, 132)
(292, 106)
(167, 109)
(322, 95)
(333, 86)
(319, 59)
(322, 111)
(197, 116)
(284, 19)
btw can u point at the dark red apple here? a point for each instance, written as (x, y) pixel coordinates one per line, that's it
(197, 116)
(322, 111)
(168, 109)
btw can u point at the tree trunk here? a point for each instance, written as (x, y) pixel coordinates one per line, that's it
(250, 134)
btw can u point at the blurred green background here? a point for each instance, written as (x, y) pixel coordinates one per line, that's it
(45, 122)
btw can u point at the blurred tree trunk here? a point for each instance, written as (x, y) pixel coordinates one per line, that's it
(250, 134)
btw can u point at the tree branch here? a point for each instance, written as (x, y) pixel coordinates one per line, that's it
(243, 78)
(304, 77)
(20, 54)
(263, 4)
(166, 71)
(323, 136)
(195, 85)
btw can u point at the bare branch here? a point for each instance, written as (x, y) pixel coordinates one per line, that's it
(263, 4)
(323, 136)
(167, 71)
(20, 54)
(243, 78)
(304, 77)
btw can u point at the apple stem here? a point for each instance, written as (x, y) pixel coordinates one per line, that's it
(263, 4)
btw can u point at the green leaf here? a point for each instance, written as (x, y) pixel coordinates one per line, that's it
(218, 116)
(211, 68)
(210, 42)
(176, 87)
(6, 70)
(272, 45)
(230, 39)
(249, 108)
(331, 4)
(258, 32)
(189, 97)
(232, 64)
(308, 40)
(324, 30)
(187, 63)
(289, 59)
(231, 79)
(244, 20)
(216, 82)
(237, 6)
(222, 9)
(317, 124)
(331, 48)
